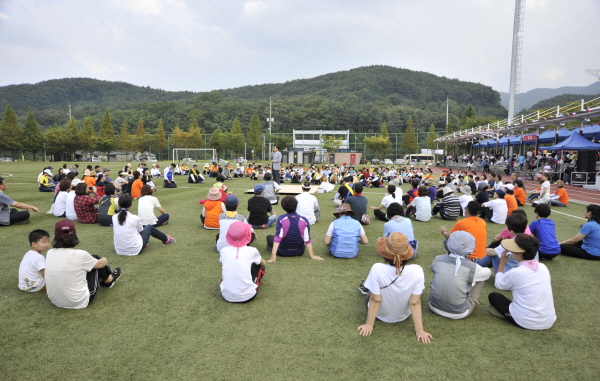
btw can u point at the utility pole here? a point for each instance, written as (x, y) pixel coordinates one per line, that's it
(69, 110)
(447, 108)
(270, 120)
(515, 67)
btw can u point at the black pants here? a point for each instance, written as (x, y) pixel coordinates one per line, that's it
(270, 240)
(575, 250)
(93, 277)
(170, 184)
(276, 175)
(380, 215)
(501, 303)
(547, 256)
(16, 216)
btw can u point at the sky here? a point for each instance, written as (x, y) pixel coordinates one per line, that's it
(204, 45)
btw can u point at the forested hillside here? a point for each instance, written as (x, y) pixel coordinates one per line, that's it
(560, 100)
(359, 100)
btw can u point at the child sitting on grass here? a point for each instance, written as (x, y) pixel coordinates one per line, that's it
(545, 231)
(33, 265)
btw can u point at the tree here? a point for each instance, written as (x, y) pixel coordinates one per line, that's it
(235, 139)
(384, 131)
(194, 136)
(283, 142)
(107, 134)
(11, 136)
(141, 139)
(217, 141)
(127, 142)
(331, 143)
(73, 133)
(255, 138)
(469, 118)
(57, 141)
(409, 142)
(87, 136)
(431, 136)
(33, 137)
(160, 141)
(178, 137)
(380, 145)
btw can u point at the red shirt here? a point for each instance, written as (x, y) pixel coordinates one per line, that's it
(85, 210)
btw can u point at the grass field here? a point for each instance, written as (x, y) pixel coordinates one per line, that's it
(165, 318)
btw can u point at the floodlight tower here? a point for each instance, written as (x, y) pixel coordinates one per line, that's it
(515, 67)
(594, 72)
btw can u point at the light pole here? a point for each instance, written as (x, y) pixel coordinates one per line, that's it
(270, 120)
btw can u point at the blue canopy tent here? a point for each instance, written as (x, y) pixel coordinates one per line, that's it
(575, 142)
(591, 132)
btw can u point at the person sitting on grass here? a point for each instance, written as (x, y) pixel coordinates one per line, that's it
(195, 177)
(448, 207)
(146, 205)
(107, 207)
(136, 185)
(399, 223)
(261, 214)
(292, 233)
(543, 197)
(242, 265)
(561, 197)
(509, 197)
(532, 306)
(457, 281)
(465, 198)
(420, 207)
(519, 192)
(394, 288)
(516, 223)
(544, 230)
(497, 209)
(410, 195)
(345, 233)
(72, 276)
(84, 204)
(358, 202)
(227, 218)
(271, 189)
(308, 205)
(169, 182)
(33, 265)
(586, 244)
(482, 194)
(220, 185)
(60, 202)
(211, 209)
(130, 237)
(389, 198)
(46, 184)
(344, 191)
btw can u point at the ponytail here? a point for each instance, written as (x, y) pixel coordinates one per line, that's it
(125, 203)
(392, 190)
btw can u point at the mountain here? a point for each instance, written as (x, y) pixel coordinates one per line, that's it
(529, 99)
(359, 99)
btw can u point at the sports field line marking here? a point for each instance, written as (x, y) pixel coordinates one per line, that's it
(566, 214)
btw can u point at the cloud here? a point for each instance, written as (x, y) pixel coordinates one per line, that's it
(3, 16)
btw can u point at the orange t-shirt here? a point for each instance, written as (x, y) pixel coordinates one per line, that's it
(136, 188)
(212, 210)
(511, 203)
(478, 229)
(520, 195)
(90, 181)
(562, 195)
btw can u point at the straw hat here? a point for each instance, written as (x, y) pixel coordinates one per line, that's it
(396, 247)
(466, 190)
(342, 209)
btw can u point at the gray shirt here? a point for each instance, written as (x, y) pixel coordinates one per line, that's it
(276, 157)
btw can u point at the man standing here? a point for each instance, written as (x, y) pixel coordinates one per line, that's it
(276, 160)
(169, 182)
(10, 216)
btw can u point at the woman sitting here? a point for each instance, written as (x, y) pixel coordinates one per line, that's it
(420, 206)
(60, 202)
(211, 209)
(108, 205)
(586, 244)
(136, 186)
(400, 224)
(84, 204)
(394, 288)
(532, 306)
(146, 205)
(130, 238)
(389, 198)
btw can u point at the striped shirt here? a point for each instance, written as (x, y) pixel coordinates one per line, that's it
(451, 206)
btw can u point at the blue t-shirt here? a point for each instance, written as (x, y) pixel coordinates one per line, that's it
(591, 242)
(545, 231)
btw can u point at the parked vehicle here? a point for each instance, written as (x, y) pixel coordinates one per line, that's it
(387, 161)
(6, 159)
(416, 159)
(240, 160)
(96, 159)
(188, 160)
(375, 161)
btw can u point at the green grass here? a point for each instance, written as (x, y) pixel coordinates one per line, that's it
(165, 318)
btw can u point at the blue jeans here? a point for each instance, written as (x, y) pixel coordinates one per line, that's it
(556, 203)
(272, 219)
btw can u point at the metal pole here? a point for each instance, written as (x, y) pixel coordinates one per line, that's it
(515, 63)
(270, 119)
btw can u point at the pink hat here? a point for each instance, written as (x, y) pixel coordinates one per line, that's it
(239, 234)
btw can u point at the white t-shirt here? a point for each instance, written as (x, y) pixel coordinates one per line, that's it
(66, 272)
(224, 224)
(307, 206)
(146, 205)
(395, 297)
(533, 305)
(546, 197)
(30, 279)
(60, 203)
(464, 201)
(500, 209)
(127, 238)
(237, 284)
(70, 206)
(388, 199)
(423, 205)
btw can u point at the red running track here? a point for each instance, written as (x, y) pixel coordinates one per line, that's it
(576, 194)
